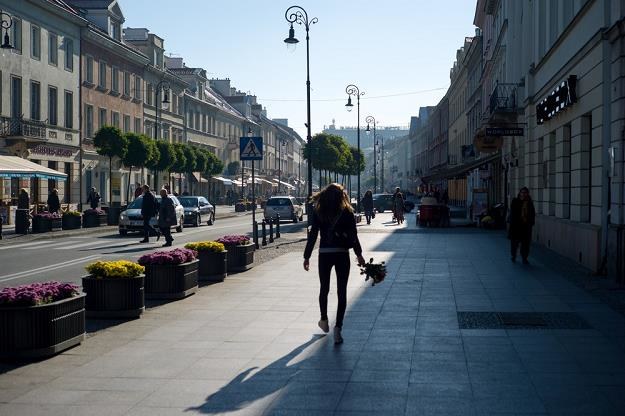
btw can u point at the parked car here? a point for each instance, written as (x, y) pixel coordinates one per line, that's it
(132, 220)
(197, 209)
(285, 206)
(383, 202)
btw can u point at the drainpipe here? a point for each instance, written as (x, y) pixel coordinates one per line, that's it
(80, 150)
(605, 136)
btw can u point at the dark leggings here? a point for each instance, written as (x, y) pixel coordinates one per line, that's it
(340, 261)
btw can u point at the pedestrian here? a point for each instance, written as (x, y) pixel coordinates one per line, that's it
(138, 190)
(149, 209)
(166, 217)
(367, 205)
(522, 216)
(445, 197)
(93, 199)
(398, 206)
(333, 218)
(54, 205)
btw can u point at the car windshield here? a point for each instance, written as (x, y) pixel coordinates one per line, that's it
(188, 202)
(136, 204)
(282, 202)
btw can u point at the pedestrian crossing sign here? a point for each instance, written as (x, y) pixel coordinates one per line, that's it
(251, 148)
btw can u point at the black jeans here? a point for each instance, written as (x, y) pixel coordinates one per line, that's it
(166, 231)
(340, 261)
(368, 215)
(147, 228)
(525, 247)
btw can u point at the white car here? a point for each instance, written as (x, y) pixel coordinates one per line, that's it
(286, 206)
(132, 220)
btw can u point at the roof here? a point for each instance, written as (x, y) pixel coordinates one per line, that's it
(92, 4)
(63, 5)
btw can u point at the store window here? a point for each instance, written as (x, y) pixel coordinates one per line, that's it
(53, 107)
(53, 49)
(35, 42)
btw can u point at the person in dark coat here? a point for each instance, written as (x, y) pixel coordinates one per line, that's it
(54, 205)
(333, 218)
(166, 217)
(149, 208)
(522, 217)
(367, 205)
(93, 199)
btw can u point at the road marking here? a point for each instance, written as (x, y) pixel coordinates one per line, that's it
(36, 243)
(47, 268)
(85, 244)
(46, 245)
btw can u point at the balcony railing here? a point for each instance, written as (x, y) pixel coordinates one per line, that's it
(18, 127)
(504, 99)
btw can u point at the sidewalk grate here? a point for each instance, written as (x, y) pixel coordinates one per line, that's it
(521, 320)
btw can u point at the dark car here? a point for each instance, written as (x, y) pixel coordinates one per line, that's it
(197, 209)
(383, 202)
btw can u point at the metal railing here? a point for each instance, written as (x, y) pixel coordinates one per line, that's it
(503, 99)
(17, 126)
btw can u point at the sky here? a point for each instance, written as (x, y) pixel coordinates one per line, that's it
(398, 52)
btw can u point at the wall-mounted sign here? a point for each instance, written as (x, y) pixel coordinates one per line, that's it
(51, 151)
(488, 144)
(504, 131)
(563, 96)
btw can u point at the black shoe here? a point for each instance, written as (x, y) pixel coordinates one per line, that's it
(525, 261)
(168, 244)
(158, 236)
(145, 240)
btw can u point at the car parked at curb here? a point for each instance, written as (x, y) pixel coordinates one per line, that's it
(383, 202)
(131, 219)
(196, 210)
(286, 206)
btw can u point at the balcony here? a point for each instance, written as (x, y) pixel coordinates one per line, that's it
(14, 127)
(503, 102)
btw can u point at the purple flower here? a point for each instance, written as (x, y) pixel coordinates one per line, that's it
(92, 211)
(47, 215)
(176, 256)
(234, 240)
(36, 293)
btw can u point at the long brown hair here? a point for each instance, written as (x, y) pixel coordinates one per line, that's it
(330, 202)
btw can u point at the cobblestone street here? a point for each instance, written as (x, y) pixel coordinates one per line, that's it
(250, 345)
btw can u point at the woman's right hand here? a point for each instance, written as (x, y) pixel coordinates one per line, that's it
(306, 264)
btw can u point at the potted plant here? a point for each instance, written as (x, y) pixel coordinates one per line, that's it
(115, 289)
(71, 220)
(213, 260)
(45, 221)
(240, 252)
(94, 218)
(40, 319)
(170, 274)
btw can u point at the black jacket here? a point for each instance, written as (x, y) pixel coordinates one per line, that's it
(518, 229)
(53, 203)
(166, 213)
(149, 206)
(342, 234)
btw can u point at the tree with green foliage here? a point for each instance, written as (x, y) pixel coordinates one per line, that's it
(167, 158)
(180, 165)
(139, 151)
(109, 141)
(233, 168)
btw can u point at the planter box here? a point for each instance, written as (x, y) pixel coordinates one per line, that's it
(92, 220)
(239, 207)
(70, 222)
(240, 258)
(114, 297)
(175, 281)
(213, 266)
(44, 330)
(56, 223)
(41, 225)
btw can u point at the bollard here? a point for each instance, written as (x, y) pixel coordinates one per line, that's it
(255, 234)
(277, 225)
(264, 224)
(271, 231)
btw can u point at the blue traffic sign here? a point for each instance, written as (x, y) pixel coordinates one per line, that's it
(251, 148)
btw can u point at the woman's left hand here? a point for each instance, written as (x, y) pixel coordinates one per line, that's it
(361, 260)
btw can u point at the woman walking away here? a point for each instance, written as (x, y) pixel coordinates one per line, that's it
(54, 204)
(333, 218)
(398, 206)
(367, 205)
(522, 215)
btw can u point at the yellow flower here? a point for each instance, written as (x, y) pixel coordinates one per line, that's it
(213, 246)
(119, 268)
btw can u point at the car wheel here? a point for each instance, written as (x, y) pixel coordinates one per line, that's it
(380, 210)
(180, 225)
(301, 217)
(211, 219)
(123, 233)
(198, 220)
(294, 218)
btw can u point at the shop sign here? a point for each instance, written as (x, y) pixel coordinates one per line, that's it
(488, 144)
(563, 96)
(504, 131)
(52, 151)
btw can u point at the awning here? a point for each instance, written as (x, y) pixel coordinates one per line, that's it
(197, 177)
(237, 183)
(288, 185)
(225, 181)
(460, 169)
(16, 167)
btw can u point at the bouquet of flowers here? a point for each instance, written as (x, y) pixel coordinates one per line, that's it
(374, 271)
(234, 240)
(176, 256)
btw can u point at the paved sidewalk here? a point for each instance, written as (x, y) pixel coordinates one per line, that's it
(250, 345)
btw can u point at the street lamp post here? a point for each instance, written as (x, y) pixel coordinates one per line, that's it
(381, 152)
(297, 14)
(351, 89)
(371, 119)
(157, 102)
(6, 25)
(282, 143)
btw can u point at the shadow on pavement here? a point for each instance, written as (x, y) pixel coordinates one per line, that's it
(248, 387)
